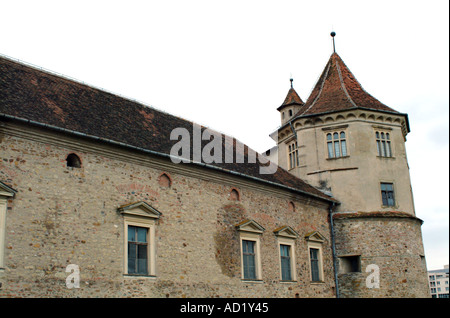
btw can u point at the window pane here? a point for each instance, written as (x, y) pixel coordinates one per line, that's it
(285, 262)
(335, 136)
(336, 149)
(387, 194)
(142, 267)
(296, 156)
(378, 147)
(248, 253)
(314, 256)
(342, 135)
(131, 258)
(383, 149)
(131, 233)
(330, 150)
(389, 152)
(390, 196)
(328, 136)
(344, 148)
(384, 197)
(387, 136)
(142, 234)
(286, 269)
(377, 135)
(142, 259)
(382, 135)
(284, 250)
(249, 247)
(142, 251)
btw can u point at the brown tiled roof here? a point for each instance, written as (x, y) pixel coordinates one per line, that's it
(27, 93)
(292, 98)
(337, 89)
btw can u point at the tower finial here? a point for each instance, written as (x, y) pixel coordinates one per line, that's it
(291, 82)
(333, 34)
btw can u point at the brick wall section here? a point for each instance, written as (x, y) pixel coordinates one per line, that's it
(394, 244)
(63, 216)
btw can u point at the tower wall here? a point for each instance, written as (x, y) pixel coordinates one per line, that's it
(353, 179)
(388, 242)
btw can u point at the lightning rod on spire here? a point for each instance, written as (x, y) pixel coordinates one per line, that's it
(333, 34)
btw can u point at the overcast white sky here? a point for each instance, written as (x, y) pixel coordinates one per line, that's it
(227, 64)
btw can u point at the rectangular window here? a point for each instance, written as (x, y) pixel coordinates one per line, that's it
(314, 257)
(285, 262)
(387, 194)
(137, 250)
(249, 259)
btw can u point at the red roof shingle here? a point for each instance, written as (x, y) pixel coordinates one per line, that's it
(292, 98)
(337, 89)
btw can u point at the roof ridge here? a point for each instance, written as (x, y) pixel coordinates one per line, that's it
(342, 81)
(321, 87)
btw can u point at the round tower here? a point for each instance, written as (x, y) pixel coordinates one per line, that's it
(350, 145)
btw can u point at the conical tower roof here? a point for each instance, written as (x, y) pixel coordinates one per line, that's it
(337, 89)
(292, 98)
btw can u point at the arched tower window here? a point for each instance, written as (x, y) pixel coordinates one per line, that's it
(337, 144)
(383, 144)
(293, 155)
(73, 161)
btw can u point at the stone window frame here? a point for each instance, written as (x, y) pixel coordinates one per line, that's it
(315, 240)
(287, 236)
(6, 193)
(250, 230)
(141, 214)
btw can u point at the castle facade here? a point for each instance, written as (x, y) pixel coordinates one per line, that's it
(95, 203)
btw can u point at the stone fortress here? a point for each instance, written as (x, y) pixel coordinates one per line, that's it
(88, 184)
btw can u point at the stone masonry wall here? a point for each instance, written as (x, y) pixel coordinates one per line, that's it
(394, 244)
(63, 216)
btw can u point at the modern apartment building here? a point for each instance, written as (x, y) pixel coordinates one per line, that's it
(439, 282)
